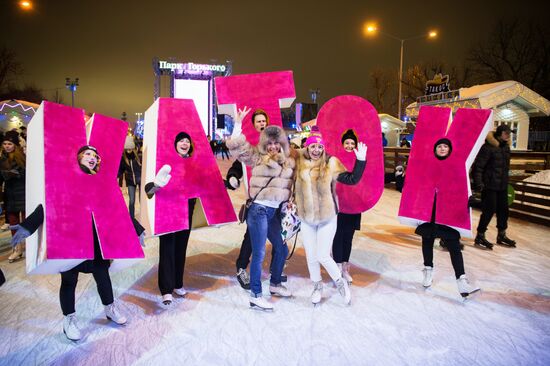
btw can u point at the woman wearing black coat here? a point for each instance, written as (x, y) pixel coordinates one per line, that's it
(130, 166)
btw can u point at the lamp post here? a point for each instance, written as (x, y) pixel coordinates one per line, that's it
(71, 85)
(371, 29)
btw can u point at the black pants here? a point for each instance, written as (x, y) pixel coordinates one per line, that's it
(246, 252)
(2, 278)
(172, 253)
(132, 199)
(99, 268)
(493, 202)
(343, 238)
(454, 250)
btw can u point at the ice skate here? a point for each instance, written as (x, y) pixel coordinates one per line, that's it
(70, 327)
(243, 279)
(482, 243)
(317, 293)
(167, 300)
(343, 289)
(16, 254)
(180, 291)
(260, 303)
(113, 314)
(428, 276)
(503, 240)
(345, 272)
(464, 287)
(279, 290)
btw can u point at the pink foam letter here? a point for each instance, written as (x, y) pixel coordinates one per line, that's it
(427, 175)
(351, 112)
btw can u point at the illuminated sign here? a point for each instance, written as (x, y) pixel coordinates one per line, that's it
(164, 65)
(439, 84)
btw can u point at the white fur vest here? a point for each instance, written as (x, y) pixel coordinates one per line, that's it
(316, 199)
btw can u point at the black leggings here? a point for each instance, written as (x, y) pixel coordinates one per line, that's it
(99, 268)
(454, 250)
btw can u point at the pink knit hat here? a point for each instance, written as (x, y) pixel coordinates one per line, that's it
(315, 137)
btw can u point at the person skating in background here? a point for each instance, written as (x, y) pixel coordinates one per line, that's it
(130, 167)
(260, 121)
(347, 224)
(12, 178)
(317, 208)
(173, 246)
(430, 230)
(272, 173)
(490, 171)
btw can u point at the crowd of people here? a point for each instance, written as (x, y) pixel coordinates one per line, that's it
(279, 175)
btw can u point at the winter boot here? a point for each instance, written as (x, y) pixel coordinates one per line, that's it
(502, 239)
(279, 290)
(428, 276)
(112, 313)
(70, 327)
(345, 272)
(482, 243)
(260, 303)
(343, 289)
(243, 279)
(317, 292)
(464, 286)
(16, 254)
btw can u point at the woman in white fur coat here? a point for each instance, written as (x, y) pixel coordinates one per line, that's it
(317, 207)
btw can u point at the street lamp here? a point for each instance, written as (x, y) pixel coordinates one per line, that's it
(25, 5)
(71, 85)
(371, 29)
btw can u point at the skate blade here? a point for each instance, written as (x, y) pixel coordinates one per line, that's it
(259, 308)
(471, 295)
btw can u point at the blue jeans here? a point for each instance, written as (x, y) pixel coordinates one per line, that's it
(264, 223)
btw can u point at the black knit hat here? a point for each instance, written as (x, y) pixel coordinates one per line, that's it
(447, 142)
(183, 135)
(503, 128)
(349, 134)
(87, 147)
(11, 136)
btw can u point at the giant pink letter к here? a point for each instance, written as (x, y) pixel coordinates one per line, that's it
(351, 112)
(428, 176)
(73, 197)
(269, 91)
(196, 176)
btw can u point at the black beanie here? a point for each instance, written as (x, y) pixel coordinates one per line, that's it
(349, 134)
(12, 137)
(447, 142)
(181, 136)
(87, 147)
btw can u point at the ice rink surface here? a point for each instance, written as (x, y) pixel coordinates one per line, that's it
(393, 320)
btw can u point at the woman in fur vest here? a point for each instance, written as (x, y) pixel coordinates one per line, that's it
(317, 207)
(270, 183)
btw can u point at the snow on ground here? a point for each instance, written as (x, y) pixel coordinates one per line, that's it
(393, 320)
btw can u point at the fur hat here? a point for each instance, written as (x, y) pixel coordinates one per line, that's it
(129, 143)
(11, 136)
(349, 134)
(273, 133)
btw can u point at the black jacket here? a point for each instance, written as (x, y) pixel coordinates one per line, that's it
(492, 165)
(12, 177)
(131, 170)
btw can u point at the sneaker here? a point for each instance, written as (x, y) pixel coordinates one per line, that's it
(70, 327)
(482, 243)
(345, 272)
(464, 286)
(260, 303)
(279, 290)
(243, 279)
(428, 276)
(112, 313)
(180, 291)
(317, 292)
(502, 239)
(343, 289)
(16, 254)
(167, 299)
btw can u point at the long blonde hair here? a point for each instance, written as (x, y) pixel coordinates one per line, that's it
(17, 156)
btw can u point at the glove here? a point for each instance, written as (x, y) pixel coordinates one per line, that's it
(163, 176)
(20, 234)
(234, 182)
(361, 151)
(142, 239)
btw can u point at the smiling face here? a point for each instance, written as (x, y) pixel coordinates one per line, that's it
(349, 145)
(183, 146)
(442, 150)
(8, 146)
(315, 151)
(505, 136)
(273, 147)
(89, 159)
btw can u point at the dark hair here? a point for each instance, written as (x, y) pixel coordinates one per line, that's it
(184, 135)
(263, 113)
(349, 134)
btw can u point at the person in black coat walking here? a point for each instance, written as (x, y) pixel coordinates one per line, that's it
(491, 169)
(130, 167)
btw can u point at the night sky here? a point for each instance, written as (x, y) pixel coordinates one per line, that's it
(109, 45)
